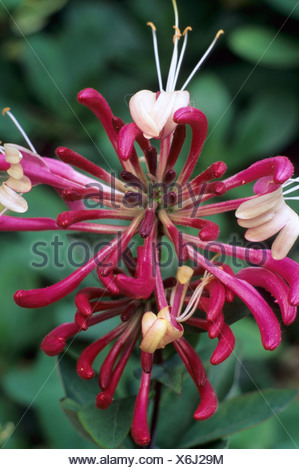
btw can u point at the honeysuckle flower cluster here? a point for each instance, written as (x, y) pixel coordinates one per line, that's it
(155, 202)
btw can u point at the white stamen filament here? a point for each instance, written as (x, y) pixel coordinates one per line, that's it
(290, 190)
(18, 125)
(156, 52)
(173, 63)
(202, 59)
(176, 59)
(195, 298)
(185, 34)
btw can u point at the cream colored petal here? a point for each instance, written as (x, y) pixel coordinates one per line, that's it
(12, 200)
(153, 336)
(22, 185)
(12, 154)
(141, 106)
(259, 205)
(162, 109)
(184, 274)
(255, 221)
(172, 333)
(270, 228)
(182, 99)
(286, 238)
(16, 171)
(147, 320)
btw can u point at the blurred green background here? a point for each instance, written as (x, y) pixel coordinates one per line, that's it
(49, 50)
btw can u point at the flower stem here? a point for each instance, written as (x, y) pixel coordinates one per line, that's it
(158, 390)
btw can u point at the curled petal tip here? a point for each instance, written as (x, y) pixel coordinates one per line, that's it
(85, 374)
(52, 345)
(87, 94)
(142, 438)
(103, 401)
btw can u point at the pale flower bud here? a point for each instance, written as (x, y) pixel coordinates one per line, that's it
(159, 330)
(154, 115)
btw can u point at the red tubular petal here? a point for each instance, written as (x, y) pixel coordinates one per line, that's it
(113, 259)
(81, 321)
(199, 125)
(169, 176)
(36, 298)
(109, 282)
(261, 277)
(217, 298)
(83, 297)
(126, 138)
(198, 371)
(140, 431)
(129, 310)
(178, 139)
(279, 167)
(140, 288)
(225, 346)
(70, 156)
(106, 370)
(174, 234)
(286, 268)
(217, 187)
(112, 309)
(152, 159)
(216, 170)
(216, 326)
(143, 285)
(99, 106)
(208, 402)
(199, 323)
(87, 357)
(264, 316)
(65, 219)
(16, 224)
(55, 341)
(104, 399)
(49, 171)
(147, 362)
(147, 223)
(289, 270)
(209, 230)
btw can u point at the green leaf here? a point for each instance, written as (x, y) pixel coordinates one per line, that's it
(47, 73)
(176, 414)
(70, 408)
(32, 16)
(81, 391)
(237, 414)
(264, 46)
(224, 376)
(39, 387)
(286, 7)
(170, 373)
(267, 126)
(211, 96)
(247, 334)
(108, 427)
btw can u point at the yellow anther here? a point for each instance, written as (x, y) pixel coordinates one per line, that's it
(4, 110)
(219, 33)
(184, 274)
(149, 23)
(188, 28)
(177, 34)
